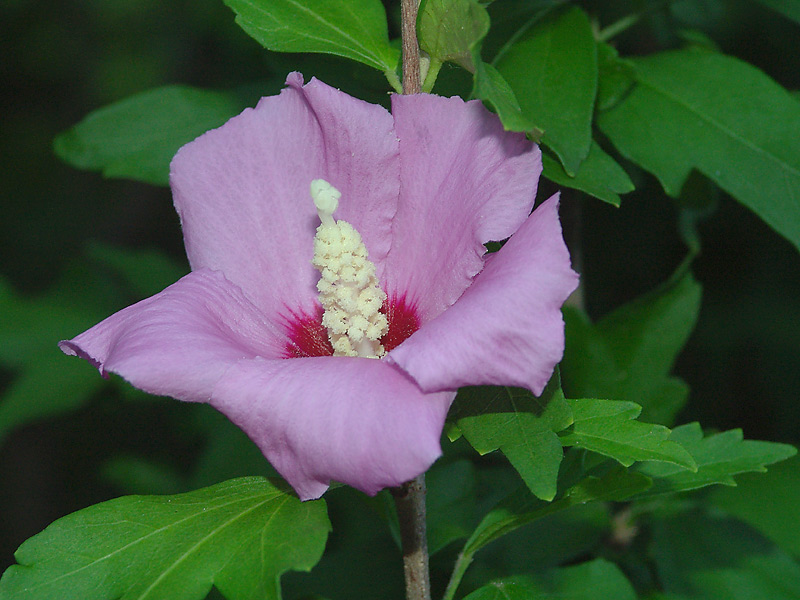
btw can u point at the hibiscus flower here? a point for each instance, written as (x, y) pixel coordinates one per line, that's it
(424, 187)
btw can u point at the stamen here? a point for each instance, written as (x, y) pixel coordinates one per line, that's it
(348, 288)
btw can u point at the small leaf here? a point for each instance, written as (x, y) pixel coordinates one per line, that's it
(719, 458)
(521, 425)
(706, 557)
(629, 354)
(695, 109)
(552, 70)
(355, 29)
(239, 536)
(609, 428)
(136, 138)
(599, 175)
(448, 30)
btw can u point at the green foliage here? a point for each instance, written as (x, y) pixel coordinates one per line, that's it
(521, 425)
(355, 29)
(239, 536)
(493, 89)
(451, 503)
(599, 175)
(778, 521)
(594, 580)
(520, 508)
(32, 328)
(629, 354)
(608, 428)
(449, 29)
(137, 137)
(719, 457)
(695, 109)
(707, 557)
(560, 105)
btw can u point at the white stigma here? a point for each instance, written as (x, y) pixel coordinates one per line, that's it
(348, 288)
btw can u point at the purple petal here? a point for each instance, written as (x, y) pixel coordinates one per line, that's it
(242, 190)
(507, 328)
(465, 181)
(180, 342)
(354, 420)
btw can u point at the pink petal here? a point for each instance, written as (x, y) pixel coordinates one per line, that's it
(465, 181)
(242, 190)
(182, 340)
(354, 420)
(507, 328)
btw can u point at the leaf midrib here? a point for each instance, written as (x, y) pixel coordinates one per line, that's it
(720, 126)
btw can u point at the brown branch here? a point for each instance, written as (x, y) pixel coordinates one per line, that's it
(408, 27)
(410, 501)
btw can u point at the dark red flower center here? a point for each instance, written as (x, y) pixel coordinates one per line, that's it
(308, 337)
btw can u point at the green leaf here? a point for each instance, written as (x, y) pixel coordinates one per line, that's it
(520, 508)
(706, 557)
(608, 427)
(490, 86)
(239, 536)
(695, 109)
(136, 138)
(355, 29)
(552, 70)
(521, 425)
(719, 458)
(448, 30)
(629, 354)
(594, 580)
(781, 484)
(788, 8)
(599, 175)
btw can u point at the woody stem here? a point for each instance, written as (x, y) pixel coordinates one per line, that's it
(410, 497)
(410, 501)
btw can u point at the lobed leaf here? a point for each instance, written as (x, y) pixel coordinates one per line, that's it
(355, 29)
(696, 109)
(719, 458)
(239, 536)
(136, 138)
(520, 425)
(608, 427)
(552, 70)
